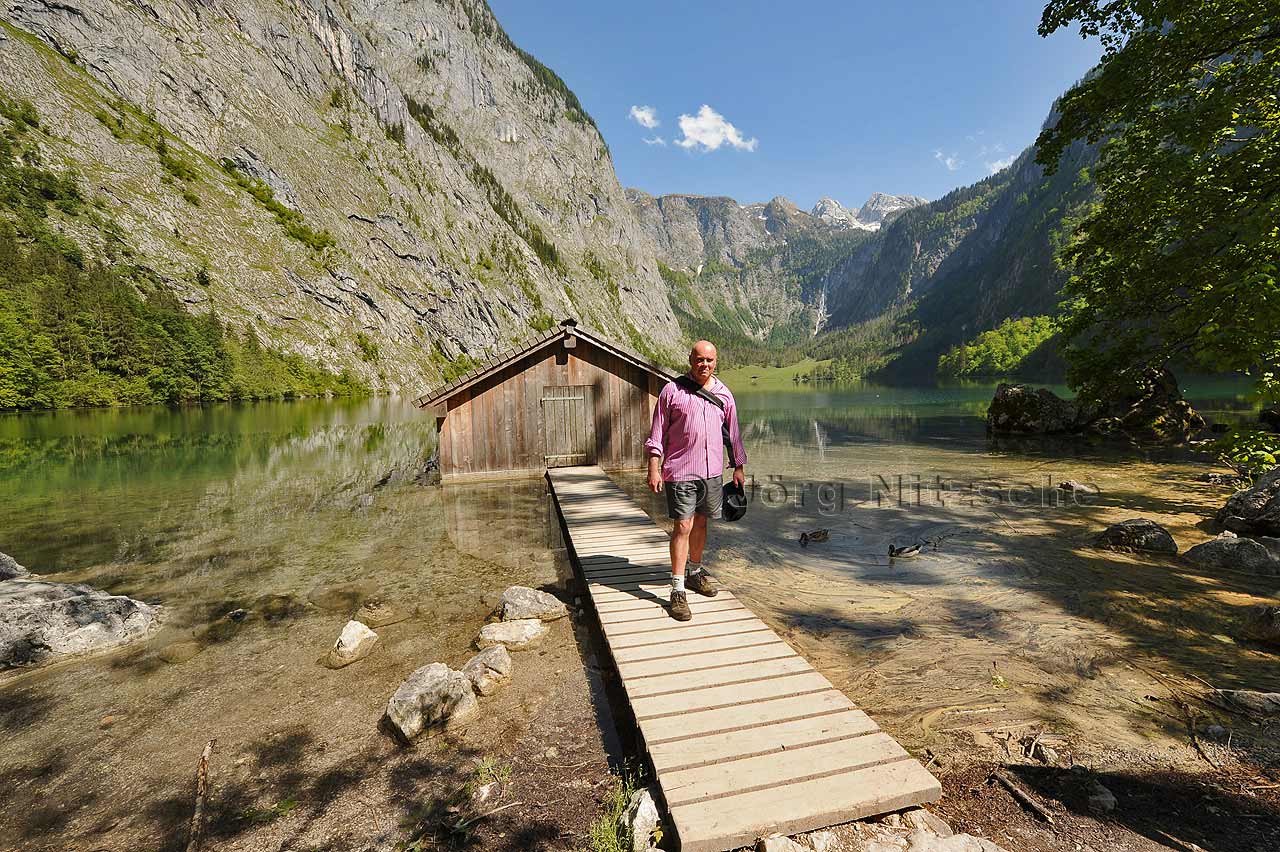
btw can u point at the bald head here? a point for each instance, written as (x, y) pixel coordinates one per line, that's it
(702, 361)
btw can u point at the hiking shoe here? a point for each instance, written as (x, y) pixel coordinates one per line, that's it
(680, 606)
(702, 583)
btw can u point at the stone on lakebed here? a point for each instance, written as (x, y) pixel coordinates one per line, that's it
(515, 635)
(355, 643)
(489, 669)
(1137, 535)
(433, 696)
(521, 602)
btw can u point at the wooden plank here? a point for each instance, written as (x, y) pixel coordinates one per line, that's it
(657, 614)
(614, 630)
(763, 739)
(645, 687)
(712, 697)
(744, 716)
(736, 821)
(663, 666)
(734, 777)
(686, 631)
(691, 647)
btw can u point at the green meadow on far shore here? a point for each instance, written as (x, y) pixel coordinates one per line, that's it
(769, 377)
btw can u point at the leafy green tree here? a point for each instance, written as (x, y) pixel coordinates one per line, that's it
(1176, 263)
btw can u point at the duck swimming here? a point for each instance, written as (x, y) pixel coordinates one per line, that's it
(904, 552)
(807, 538)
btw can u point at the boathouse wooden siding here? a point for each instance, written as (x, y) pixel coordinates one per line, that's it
(570, 398)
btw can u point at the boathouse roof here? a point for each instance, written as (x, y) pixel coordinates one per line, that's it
(568, 328)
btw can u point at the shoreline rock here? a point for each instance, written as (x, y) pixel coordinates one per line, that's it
(10, 569)
(434, 696)
(1136, 535)
(1148, 407)
(520, 602)
(1254, 510)
(1262, 625)
(489, 670)
(41, 620)
(354, 644)
(1232, 552)
(515, 635)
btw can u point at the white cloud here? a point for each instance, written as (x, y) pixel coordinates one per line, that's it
(645, 116)
(994, 166)
(952, 161)
(708, 130)
(657, 140)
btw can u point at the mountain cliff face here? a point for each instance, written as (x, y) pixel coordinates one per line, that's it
(748, 273)
(332, 172)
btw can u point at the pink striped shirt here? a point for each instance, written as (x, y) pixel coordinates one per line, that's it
(686, 432)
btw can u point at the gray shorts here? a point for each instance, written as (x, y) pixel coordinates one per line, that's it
(704, 496)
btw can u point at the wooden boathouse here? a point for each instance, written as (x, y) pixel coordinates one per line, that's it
(569, 397)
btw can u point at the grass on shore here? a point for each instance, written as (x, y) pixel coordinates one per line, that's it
(768, 378)
(608, 833)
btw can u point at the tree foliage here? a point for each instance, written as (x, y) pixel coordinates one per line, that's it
(1000, 351)
(1176, 264)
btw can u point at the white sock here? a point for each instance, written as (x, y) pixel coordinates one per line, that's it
(692, 568)
(677, 582)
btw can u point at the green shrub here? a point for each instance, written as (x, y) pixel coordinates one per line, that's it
(290, 220)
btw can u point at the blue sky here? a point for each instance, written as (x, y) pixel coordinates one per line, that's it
(826, 98)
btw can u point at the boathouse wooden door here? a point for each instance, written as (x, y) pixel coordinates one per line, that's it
(568, 425)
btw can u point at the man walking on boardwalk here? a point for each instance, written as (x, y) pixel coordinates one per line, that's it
(694, 421)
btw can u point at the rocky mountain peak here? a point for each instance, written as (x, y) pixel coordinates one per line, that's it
(833, 212)
(880, 207)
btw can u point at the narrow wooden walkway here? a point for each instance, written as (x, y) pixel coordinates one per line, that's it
(745, 737)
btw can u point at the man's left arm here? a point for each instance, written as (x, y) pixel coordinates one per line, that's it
(735, 441)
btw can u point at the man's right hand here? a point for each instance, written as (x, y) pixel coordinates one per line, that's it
(655, 474)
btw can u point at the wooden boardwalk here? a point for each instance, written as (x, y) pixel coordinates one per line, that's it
(745, 737)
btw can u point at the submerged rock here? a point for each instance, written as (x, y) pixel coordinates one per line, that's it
(343, 597)
(1263, 625)
(1231, 552)
(41, 620)
(1020, 410)
(9, 568)
(377, 612)
(489, 669)
(1136, 535)
(433, 696)
(354, 643)
(278, 607)
(516, 635)
(1256, 510)
(520, 602)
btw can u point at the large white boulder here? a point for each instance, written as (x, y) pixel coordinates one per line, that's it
(521, 602)
(433, 696)
(9, 568)
(515, 635)
(354, 643)
(41, 620)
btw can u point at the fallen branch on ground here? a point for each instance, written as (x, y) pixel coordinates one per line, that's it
(202, 798)
(1022, 796)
